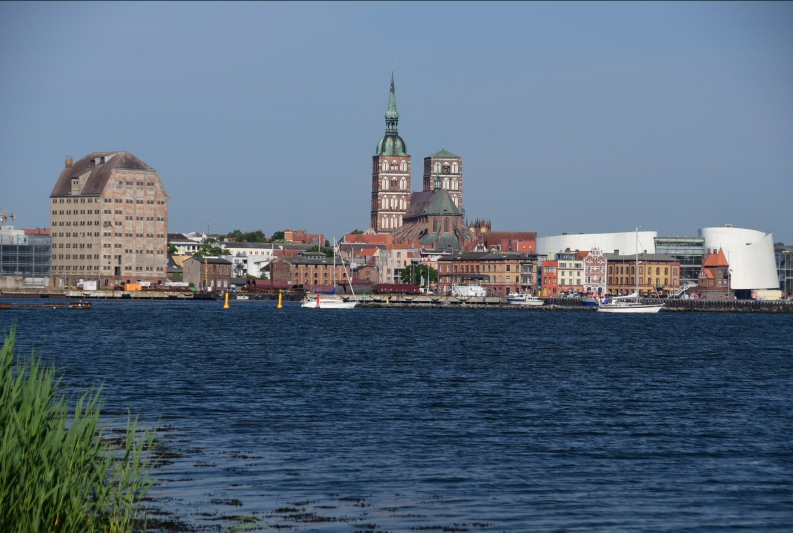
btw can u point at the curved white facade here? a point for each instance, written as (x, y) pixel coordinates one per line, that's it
(750, 254)
(608, 243)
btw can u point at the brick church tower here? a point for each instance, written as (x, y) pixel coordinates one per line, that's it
(390, 173)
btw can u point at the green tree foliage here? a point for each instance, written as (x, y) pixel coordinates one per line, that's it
(356, 231)
(251, 236)
(171, 249)
(412, 274)
(327, 250)
(277, 236)
(57, 471)
(210, 248)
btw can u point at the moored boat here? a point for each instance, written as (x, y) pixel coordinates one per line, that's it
(630, 303)
(516, 298)
(80, 305)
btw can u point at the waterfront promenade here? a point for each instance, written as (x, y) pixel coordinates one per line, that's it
(411, 301)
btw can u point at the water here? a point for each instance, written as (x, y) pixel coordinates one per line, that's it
(444, 420)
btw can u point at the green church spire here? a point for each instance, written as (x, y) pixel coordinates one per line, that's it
(392, 115)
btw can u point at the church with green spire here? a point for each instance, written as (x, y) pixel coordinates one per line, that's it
(390, 173)
(432, 218)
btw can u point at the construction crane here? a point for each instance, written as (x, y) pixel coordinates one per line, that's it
(4, 218)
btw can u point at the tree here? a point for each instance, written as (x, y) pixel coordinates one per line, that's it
(251, 236)
(171, 249)
(277, 236)
(235, 234)
(209, 248)
(414, 273)
(327, 250)
(356, 231)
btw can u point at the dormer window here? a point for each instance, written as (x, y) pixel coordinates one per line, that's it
(93, 162)
(101, 160)
(75, 185)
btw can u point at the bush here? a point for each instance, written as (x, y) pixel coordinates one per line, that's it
(57, 471)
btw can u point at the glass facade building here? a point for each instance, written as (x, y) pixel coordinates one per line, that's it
(29, 256)
(690, 251)
(784, 267)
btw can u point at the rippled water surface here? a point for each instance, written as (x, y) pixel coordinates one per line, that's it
(456, 420)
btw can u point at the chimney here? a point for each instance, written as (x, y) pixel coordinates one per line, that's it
(69, 161)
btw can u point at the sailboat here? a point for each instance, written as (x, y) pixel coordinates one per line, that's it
(630, 303)
(332, 301)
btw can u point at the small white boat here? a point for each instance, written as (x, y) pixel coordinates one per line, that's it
(327, 301)
(331, 301)
(516, 298)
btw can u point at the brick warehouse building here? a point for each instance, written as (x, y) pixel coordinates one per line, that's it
(109, 222)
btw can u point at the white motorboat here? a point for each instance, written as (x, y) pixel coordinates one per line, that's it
(516, 298)
(630, 303)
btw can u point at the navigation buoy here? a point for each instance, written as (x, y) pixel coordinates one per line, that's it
(226, 306)
(280, 299)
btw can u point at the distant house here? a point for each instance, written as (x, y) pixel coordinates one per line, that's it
(714, 278)
(183, 244)
(208, 273)
(595, 272)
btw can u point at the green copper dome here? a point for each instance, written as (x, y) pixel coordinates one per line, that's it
(391, 143)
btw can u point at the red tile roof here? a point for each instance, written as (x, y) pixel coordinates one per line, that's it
(716, 260)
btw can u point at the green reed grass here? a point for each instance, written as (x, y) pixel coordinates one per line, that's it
(58, 472)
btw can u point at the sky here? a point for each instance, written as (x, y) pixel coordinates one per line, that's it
(570, 117)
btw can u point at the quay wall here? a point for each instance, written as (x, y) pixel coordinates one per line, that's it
(419, 301)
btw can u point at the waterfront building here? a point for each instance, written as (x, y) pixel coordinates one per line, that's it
(784, 265)
(690, 251)
(462, 268)
(500, 273)
(569, 271)
(658, 274)
(750, 254)
(307, 269)
(109, 222)
(714, 277)
(550, 286)
(208, 273)
(595, 281)
(507, 272)
(25, 256)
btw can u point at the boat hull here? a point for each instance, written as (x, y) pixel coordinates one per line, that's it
(522, 301)
(630, 308)
(329, 302)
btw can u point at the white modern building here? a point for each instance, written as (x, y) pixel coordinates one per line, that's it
(750, 254)
(250, 257)
(608, 243)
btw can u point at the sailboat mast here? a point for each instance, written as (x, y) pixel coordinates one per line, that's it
(636, 268)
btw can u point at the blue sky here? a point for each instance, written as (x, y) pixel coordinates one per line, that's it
(570, 117)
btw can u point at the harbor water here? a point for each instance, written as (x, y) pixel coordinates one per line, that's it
(442, 419)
